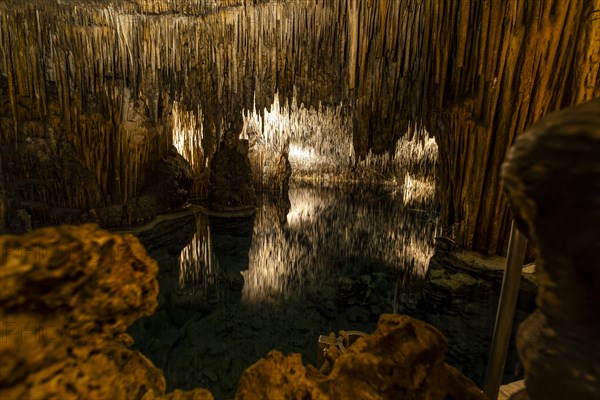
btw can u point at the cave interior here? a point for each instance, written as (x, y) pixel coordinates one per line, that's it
(291, 168)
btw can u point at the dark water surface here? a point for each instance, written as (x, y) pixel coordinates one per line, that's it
(232, 289)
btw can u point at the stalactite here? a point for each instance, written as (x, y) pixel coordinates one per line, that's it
(474, 73)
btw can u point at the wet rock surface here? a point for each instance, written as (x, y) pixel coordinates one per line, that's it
(67, 296)
(551, 177)
(212, 324)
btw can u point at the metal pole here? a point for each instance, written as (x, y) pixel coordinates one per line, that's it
(506, 312)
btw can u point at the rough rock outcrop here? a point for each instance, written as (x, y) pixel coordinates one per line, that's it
(552, 178)
(230, 183)
(44, 176)
(67, 295)
(46, 183)
(172, 181)
(403, 359)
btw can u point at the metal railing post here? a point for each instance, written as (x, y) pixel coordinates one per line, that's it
(506, 312)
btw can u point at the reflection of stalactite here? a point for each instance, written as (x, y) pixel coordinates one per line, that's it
(272, 260)
(198, 266)
(323, 226)
(418, 192)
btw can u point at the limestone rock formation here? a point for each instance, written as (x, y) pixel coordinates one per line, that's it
(552, 178)
(46, 183)
(283, 172)
(230, 183)
(67, 295)
(172, 180)
(403, 359)
(46, 179)
(271, 168)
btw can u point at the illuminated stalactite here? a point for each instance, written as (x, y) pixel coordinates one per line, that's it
(320, 146)
(187, 135)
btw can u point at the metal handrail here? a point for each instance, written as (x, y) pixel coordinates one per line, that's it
(506, 312)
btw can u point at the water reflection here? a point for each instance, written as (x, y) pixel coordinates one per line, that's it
(320, 261)
(418, 192)
(198, 266)
(299, 246)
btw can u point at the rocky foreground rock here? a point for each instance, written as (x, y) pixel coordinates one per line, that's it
(402, 359)
(552, 180)
(68, 294)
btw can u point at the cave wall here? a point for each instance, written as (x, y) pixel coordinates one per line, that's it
(105, 75)
(507, 64)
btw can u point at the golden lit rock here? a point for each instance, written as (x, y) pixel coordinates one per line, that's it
(67, 296)
(403, 358)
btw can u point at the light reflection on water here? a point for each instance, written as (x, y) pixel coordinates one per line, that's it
(299, 246)
(197, 262)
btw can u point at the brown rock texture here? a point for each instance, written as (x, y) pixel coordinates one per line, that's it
(230, 183)
(460, 289)
(402, 359)
(49, 171)
(271, 170)
(67, 295)
(552, 179)
(46, 183)
(172, 181)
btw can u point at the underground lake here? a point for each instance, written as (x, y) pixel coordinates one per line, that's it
(321, 260)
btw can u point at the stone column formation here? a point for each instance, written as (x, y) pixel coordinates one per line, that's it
(104, 77)
(552, 178)
(230, 184)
